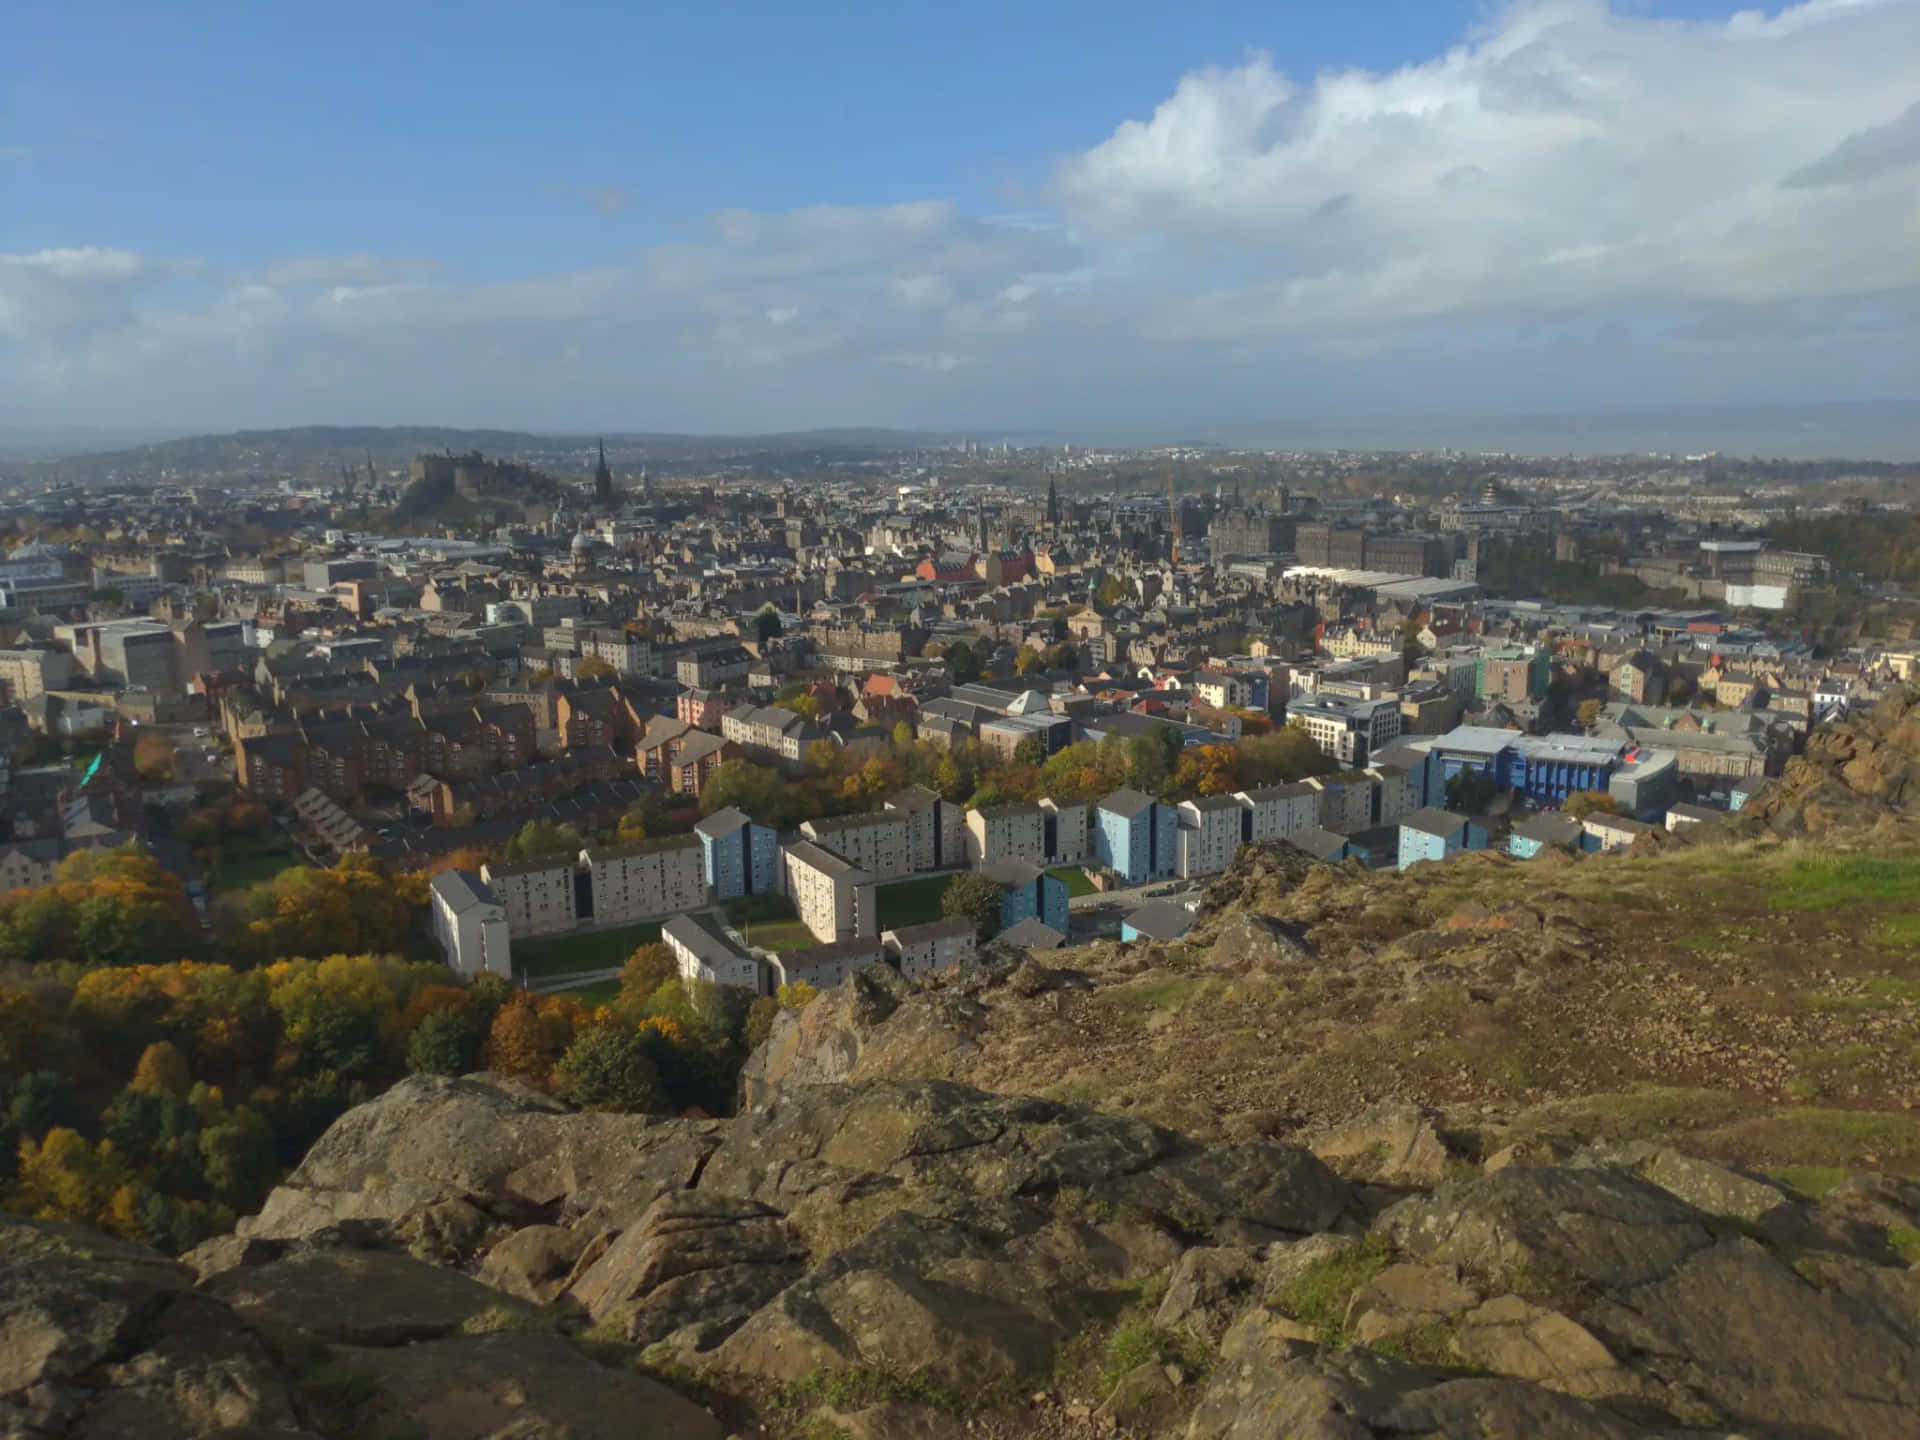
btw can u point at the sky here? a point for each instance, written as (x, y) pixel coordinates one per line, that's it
(1068, 216)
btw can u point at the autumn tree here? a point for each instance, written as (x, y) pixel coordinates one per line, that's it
(162, 1069)
(1588, 714)
(594, 668)
(1028, 661)
(1582, 803)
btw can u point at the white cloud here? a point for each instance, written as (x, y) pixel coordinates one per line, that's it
(1576, 203)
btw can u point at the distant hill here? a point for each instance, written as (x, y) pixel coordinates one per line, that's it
(316, 451)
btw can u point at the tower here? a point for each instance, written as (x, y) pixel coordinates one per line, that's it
(603, 478)
(1053, 503)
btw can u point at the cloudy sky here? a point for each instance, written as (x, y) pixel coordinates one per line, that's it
(1066, 216)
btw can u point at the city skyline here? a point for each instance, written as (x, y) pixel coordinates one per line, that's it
(1244, 217)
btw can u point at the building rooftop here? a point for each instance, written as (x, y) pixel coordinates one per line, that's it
(1126, 803)
(1011, 874)
(1434, 821)
(950, 928)
(1161, 920)
(1031, 934)
(462, 890)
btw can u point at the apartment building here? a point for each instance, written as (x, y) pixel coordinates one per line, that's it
(29, 864)
(25, 673)
(1348, 730)
(1028, 892)
(824, 966)
(834, 899)
(769, 732)
(936, 828)
(739, 857)
(1277, 812)
(663, 876)
(1006, 832)
(876, 841)
(1208, 837)
(538, 895)
(918, 950)
(1135, 836)
(702, 952)
(1064, 831)
(470, 924)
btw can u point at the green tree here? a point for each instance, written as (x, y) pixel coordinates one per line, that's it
(766, 625)
(594, 668)
(606, 1068)
(1030, 751)
(1152, 757)
(962, 663)
(237, 1159)
(1471, 791)
(443, 1043)
(760, 1017)
(1028, 661)
(976, 898)
(544, 840)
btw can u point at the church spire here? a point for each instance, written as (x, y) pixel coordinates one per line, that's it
(603, 477)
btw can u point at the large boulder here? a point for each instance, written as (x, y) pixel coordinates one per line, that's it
(919, 1297)
(367, 1297)
(695, 1258)
(873, 1024)
(1392, 1143)
(491, 1387)
(100, 1339)
(481, 1141)
(1708, 1318)
(1269, 1383)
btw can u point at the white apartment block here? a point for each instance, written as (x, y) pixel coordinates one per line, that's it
(29, 864)
(825, 966)
(703, 953)
(537, 895)
(626, 652)
(1348, 730)
(1208, 837)
(1222, 692)
(936, 829)
(918, 950)
(1064, 825)
(1006, 832)
(1346, 801)
(1278, 812)
(654, 877)
(470, 924)
(835, 900)
(877, 842)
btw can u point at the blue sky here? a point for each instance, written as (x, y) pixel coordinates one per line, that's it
(720, 217)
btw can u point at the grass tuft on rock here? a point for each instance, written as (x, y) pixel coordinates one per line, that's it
(1319, 1295)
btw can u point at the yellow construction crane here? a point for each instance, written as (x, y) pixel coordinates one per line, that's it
(1173, 511)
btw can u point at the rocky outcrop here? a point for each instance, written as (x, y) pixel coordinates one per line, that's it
(1858, 777)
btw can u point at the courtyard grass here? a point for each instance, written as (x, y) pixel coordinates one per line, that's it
(592, 950)
(1075, 879)
(910, 902)
(243, 871)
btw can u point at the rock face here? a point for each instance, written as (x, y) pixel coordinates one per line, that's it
(467, 1259)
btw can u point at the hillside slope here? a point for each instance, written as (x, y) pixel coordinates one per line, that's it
(1603, 1149)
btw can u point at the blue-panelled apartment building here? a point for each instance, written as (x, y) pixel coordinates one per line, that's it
(741, 858)
(1134, 836)
(1028, 893)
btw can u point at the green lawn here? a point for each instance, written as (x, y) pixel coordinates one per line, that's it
(1077, 882)
(242, 869)
(910, 902)
(595, 950)
(779, 935)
